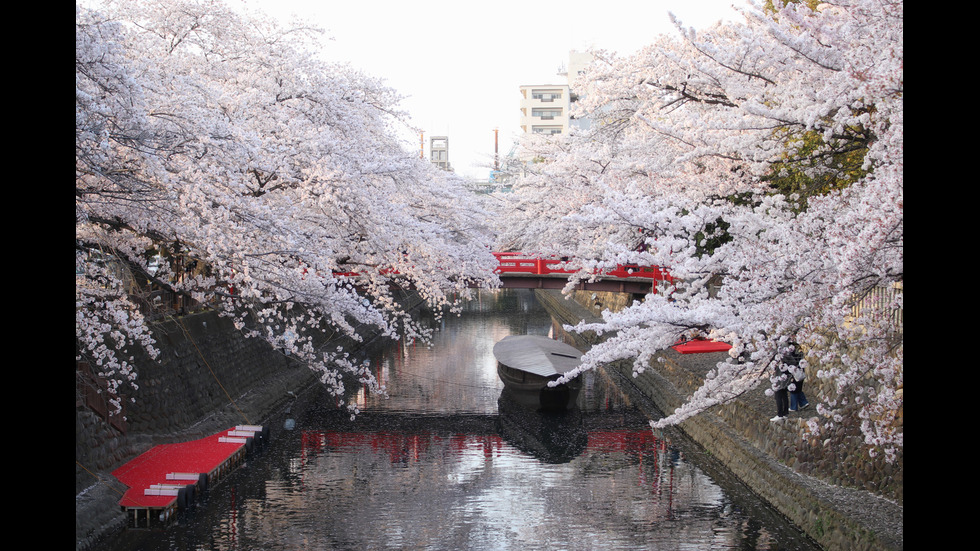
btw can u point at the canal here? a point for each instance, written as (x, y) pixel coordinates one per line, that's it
(449, 460)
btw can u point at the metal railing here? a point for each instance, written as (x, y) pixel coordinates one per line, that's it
(880, 305)
(519, 263)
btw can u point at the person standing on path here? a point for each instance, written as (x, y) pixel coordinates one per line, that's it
(797, 371)
(781, 380)
(797, 400)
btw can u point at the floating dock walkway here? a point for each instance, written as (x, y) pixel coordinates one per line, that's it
(700, 346)
(167, 477)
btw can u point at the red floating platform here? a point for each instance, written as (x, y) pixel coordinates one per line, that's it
(156, 477)
(700, 346)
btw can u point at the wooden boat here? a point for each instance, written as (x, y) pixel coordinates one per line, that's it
(528, 363)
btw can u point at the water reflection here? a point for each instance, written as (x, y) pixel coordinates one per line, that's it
(440, 489)
(456, 371)
(452, 461)
(549, 436)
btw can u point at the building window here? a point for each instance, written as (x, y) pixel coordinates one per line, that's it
(546, 113)
(550, 130)
(546, 95)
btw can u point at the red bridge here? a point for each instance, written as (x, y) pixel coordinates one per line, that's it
(520, 271)
(517, 270)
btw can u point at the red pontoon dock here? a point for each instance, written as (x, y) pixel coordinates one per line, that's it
(699, 346)
(167, 476)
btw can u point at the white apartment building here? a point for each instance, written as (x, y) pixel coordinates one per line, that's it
(544, 109)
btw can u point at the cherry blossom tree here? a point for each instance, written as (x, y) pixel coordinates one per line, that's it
(270, 183)
(762, 163)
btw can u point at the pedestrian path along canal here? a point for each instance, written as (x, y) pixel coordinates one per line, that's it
(449, 460)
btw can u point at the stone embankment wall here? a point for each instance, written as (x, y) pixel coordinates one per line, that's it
(208, 377)
(827, 485)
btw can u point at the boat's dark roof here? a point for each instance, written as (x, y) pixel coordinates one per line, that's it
(537, 354)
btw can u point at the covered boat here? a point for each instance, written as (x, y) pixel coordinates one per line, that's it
(528, 363)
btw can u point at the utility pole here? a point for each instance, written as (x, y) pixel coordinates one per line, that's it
(496, 153)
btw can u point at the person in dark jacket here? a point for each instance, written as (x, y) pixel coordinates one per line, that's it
(797, 373)
(781, 380)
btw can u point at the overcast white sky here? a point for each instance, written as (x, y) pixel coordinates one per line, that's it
(460, 62)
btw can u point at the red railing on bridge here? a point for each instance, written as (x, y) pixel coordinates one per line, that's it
(519, 263)
(515, 263)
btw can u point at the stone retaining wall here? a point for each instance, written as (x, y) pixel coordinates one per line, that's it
(204, 380)
(208, 377)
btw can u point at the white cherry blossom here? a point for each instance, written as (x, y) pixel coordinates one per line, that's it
(263, 174)
(674, 172)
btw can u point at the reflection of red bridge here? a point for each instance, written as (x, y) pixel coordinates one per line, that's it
(407, 446)
(517, 270)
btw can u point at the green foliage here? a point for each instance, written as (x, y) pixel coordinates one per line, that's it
(769, 7)
(814, 167)
(714, 235)
(811, 167)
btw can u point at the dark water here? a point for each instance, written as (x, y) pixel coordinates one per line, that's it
(451, 461)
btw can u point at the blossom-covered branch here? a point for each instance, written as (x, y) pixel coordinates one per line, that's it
(761, 162)
(217, 157)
